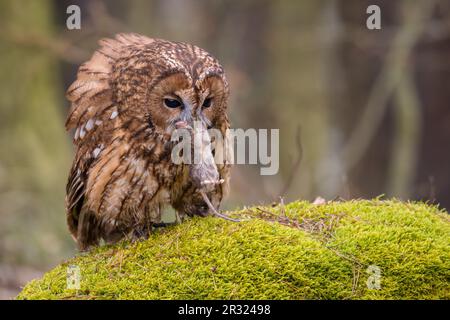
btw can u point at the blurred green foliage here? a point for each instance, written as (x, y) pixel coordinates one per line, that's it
(35, 153)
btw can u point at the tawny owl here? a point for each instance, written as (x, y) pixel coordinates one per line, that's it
(126, 102)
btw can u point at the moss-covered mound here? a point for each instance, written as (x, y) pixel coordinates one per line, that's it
(339, 250)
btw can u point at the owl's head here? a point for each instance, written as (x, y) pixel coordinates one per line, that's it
(164, 83)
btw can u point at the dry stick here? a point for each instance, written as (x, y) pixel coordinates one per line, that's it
(211, 207)
(284, 220)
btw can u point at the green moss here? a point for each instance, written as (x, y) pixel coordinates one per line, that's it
(299, 251)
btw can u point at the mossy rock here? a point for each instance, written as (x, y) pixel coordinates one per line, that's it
(297, 251)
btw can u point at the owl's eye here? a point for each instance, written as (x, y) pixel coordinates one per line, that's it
(172, 103)
(207, 103)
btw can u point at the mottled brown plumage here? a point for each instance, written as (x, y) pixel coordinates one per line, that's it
(122, 175)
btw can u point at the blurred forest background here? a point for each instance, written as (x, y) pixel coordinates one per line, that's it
(361, 112)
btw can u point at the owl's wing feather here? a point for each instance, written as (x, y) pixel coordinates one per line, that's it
(75, 191)
(91, 97)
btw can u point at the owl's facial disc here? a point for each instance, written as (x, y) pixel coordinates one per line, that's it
(178, 98)
(163, 105)
(187, 106)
